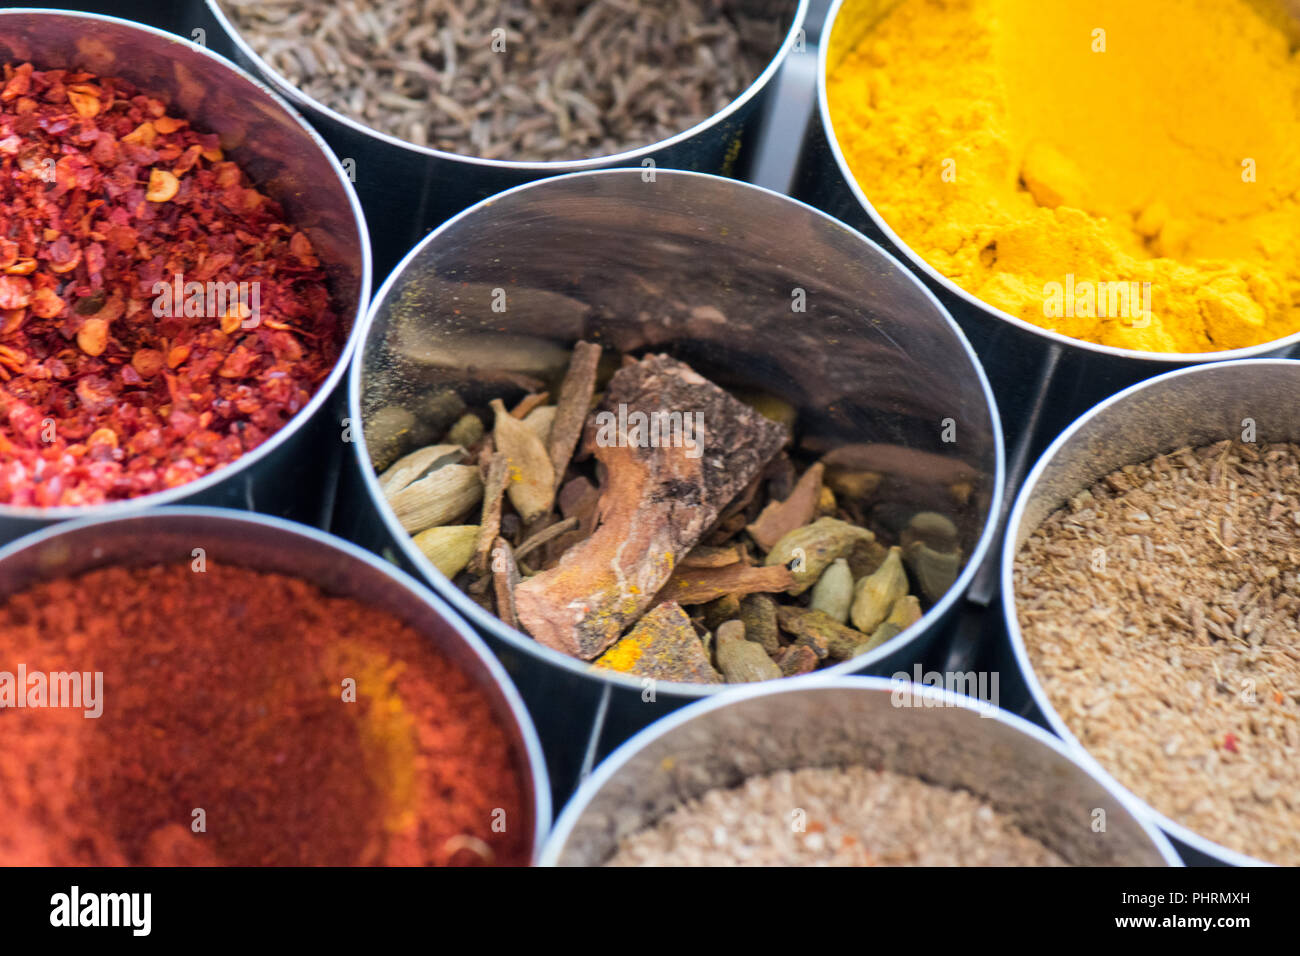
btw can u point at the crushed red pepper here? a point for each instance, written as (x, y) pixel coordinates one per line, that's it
(103, 195)
(223, 691)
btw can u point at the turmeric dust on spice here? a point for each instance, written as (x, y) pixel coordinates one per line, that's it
(1023, 147)
(223, 691)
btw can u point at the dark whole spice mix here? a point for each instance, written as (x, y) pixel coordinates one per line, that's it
(536, 80)
(104, 194)
(666, 528)
(223, 691)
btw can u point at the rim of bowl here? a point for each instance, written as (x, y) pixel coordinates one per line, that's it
(291, 91)
(517, 638)
(323, 391)
(1169, 358)
(616, 761)
(1180, 832)
(316, 538)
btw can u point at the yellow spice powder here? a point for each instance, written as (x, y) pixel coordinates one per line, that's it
(1040, 153)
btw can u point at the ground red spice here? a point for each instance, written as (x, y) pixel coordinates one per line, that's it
(223, 691)
(102, 195)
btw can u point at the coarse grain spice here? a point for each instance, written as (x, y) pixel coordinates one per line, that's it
(1161, 612)
(104, 194)
(223, 691)
(848, 816)
(534, 80)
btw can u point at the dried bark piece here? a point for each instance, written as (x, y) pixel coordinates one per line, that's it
(494, 490)
(742, 661)
(505, 578)
(655, 505)
(758, 613)
(549, 533)
(796, 659)
(825, 635)
(699, 585)
(663, 645)
(780, 518)
(531, 487)
(529, 402)
(706, 556)
(576, 392)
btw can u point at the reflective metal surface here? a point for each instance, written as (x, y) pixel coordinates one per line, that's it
(703, 268)
(1010, 763)
(292, 473)
(272, 545)
(409, 189)
(1195, 406)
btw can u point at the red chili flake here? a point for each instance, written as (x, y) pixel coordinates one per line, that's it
(1230, 743)
(105, 199)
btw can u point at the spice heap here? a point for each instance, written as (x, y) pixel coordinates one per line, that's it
(533, 80)
(662, 529)
(109, 390)
(1024, 148)
(854, 817)
(1161, 615)
(224, 691)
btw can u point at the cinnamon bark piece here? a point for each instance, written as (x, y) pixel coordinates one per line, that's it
(700, 585)
(780, 518)
(505, 578)
(494, 489)
(576, 392)
(658, 499)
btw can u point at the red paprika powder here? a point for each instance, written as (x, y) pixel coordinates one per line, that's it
(225, 703)
(112, 386)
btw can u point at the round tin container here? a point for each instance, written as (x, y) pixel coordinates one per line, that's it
(1042, 379)
(293, 472)
(943, 738)
(338, 568)
(703, 268)
(409, 189)
(1189, 407)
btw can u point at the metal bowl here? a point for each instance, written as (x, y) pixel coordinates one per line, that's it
(609, 257)
(409, 189)
(292, 473)
(282, 547)
(1043, 379)
(945, 739)
(1195, 406)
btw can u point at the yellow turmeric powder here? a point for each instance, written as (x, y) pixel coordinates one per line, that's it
(1072, 162)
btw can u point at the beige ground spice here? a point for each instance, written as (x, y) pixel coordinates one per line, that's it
(1160, 612)
(851, 817)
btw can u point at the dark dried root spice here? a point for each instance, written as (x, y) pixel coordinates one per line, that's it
(223, 691)
(103, 195)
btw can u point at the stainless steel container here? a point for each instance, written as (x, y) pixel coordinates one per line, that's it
(1195, 406)
(272, 545)
(945, 739)
(409, 189)
(1042, 379)
(293, 473)
(706, 269)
